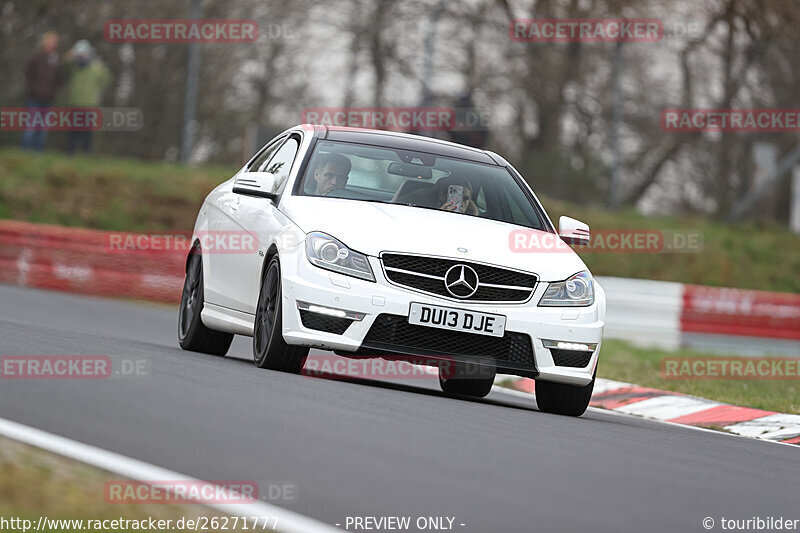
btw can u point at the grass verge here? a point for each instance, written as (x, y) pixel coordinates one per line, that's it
(621, 361)
(35, 483)
(103, 192)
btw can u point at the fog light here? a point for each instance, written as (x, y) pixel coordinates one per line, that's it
(573, 346)
(329, 311)
(326, 311)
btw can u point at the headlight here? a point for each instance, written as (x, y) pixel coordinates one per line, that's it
(326, 252)
(577, 291)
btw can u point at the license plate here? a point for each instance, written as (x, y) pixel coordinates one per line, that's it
(434, 316)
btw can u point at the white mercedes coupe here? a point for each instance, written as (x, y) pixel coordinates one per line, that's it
(380, 244)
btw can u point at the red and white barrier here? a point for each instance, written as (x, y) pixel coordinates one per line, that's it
(772, 315)
(645, 312)
(669, 315)
(84, 261)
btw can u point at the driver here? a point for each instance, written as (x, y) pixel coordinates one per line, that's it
(331, 173)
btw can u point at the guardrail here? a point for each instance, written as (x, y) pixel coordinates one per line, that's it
(654, 313)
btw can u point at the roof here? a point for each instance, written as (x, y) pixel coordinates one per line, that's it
(405, 141)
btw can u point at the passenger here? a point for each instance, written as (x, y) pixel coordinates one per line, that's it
(436, 196)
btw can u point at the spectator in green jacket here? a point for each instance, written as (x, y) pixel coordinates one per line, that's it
(88, 78)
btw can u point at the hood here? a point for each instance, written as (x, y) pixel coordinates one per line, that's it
(372, 228)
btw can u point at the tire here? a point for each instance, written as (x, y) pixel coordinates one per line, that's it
(193, 335)
(269, 348)
(563, 399)
(459, 383)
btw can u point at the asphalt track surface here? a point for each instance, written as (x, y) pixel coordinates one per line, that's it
(375, 448)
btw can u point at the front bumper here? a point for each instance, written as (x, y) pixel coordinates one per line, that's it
(372, 302)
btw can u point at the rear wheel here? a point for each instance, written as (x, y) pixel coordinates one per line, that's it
(466, 379)
(269, 348)
(563, 399)
(193, 335)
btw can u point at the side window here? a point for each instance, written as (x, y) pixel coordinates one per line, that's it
(263, 157)
(281, 162)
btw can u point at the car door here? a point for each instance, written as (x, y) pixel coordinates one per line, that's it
(219, 263)
(259, 219)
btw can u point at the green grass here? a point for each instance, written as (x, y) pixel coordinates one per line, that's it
(103, 192)
(125, 194)
(622, 361)
(36, 483)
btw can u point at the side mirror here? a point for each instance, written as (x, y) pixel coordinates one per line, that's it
(259, 184)
(573, 232)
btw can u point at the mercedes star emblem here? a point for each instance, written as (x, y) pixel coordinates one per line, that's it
(461, 281)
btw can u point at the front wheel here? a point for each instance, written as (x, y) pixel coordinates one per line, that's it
(269, 348)
(193, 335)
(563, 399)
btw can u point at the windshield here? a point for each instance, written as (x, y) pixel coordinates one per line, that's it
(420, 180)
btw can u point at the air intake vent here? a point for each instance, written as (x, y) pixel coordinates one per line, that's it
(571, 358)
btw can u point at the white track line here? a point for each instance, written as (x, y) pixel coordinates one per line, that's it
(286, 521)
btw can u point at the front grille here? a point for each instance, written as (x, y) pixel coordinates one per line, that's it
(394, 332)
(427, 274)
(572, 358)
(328, 324)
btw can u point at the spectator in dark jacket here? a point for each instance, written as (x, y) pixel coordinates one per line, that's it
(43, 77)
